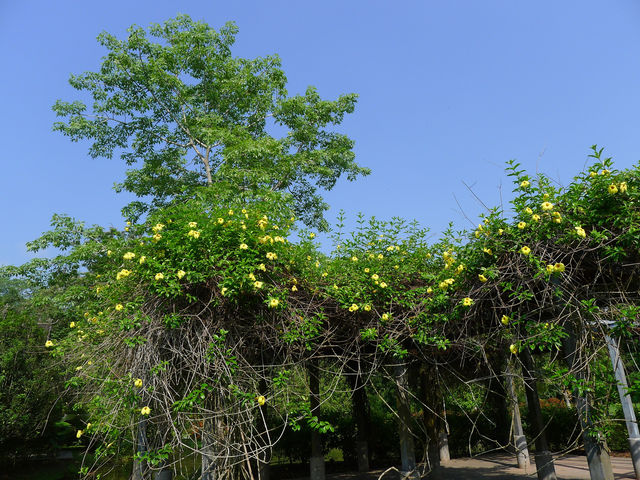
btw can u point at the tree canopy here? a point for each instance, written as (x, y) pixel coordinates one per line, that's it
(184, 112)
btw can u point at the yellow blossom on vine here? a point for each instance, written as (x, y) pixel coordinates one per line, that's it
(159, 276)
(354, 259)
(513, 348)
(525, 250)
(272, 256)
(623, 187)
(500, 231)
(142, 259)
(145, 410)
(48, 344)
(482, 278)
(559, 267)
(79, 433)
(550, 268)
(193, 233)
(230, 213)
(278, 239)
(353, 307)
(335, 287)
(605, 172)
(193, 224)
(375, 276)
(385, 317)
(223, 290)
(262, 267)
(317, 264)
(72, 325)
(180, 274)
(157, 237)
(613, 189)
(294, 289)
(367, 308)
(467, 302)
(129, 256)
(535, 217)
(593, 174)
(137, 383)
(261, 400)
(158, 227)
(243, 246)
(109, 253)
(258, 284)
(557, 218)
(429, 289)
(528, 210)
(252, 277)
(119, 306)
(380, 256)
(487, 251)
(522, 225)
(312, 235)
(383, 285)
(460, 268)
(273, 302)
(123, 274)
(580, 232)
(546, 206)
(504, 320)
(524, 184)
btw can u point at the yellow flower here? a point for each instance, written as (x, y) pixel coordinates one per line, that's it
(460, 268)
(181, 273)
(193, 233)
(137, 383)
(129, 255)
(252, 277)
(230, 213)
(605, 172)
(354, 259)
(429, 289)
(559, 267)
(294, 289)
(119, 306)
(48, 344)
(72, 325)
(487, 251)
(79, 433)
(623, 187)
(159, 276)
(274, 302)
(385, 317)
(123, 273)
(243, 246)
(467, 302)
(613, 189)
(383, 285)
(145, 410)
(580, 232)
(500, 231)
(335, 287)
(522, 225)
(482, 278)
(546, 206)
(366, 270)
(535, 217)
(317, 264)
(513, 348)
(142, 259)
(367, 308)
(380, 256)
(504, 320)
(525, 250)
(261, 400)
(524, 184)
(528, 210)
(193, 224)
(353, 307)
(550, 268)
(220, 221)
(375, 276)
(272, 256)
(224, 290)
(258, 284)
(157, 237)
(312, 235)
(557, 218)
(278, 239)
(262, 267)
(109, 253)
(157, 227)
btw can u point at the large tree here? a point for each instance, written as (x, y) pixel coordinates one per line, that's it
(184, 112)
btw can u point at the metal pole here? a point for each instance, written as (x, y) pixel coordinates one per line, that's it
(627, 405)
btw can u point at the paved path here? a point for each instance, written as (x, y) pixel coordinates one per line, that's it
(503, 467)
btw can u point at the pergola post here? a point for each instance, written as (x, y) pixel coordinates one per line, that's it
(140, 466)
(361, 414)
(597, 455)
(627, 405)
(544, 461)
(407, 448)
(316, 462)
(519, 439)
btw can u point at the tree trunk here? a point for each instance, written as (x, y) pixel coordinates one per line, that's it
(544, 461)
(430, 417)
(362, 416)
(519, 439)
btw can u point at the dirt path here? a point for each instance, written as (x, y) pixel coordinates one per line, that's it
(502, 467)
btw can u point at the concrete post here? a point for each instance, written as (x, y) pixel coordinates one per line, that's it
(316, 462)
(140, 466)
(627, 405)
(407, 449)
(597, 455)
(544, 461)
(519, 439)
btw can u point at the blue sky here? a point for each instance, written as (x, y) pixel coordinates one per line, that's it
(449, 91)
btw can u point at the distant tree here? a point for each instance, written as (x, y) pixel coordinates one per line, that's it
(185, 112)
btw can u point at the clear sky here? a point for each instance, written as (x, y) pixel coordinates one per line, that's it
(449, 91)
